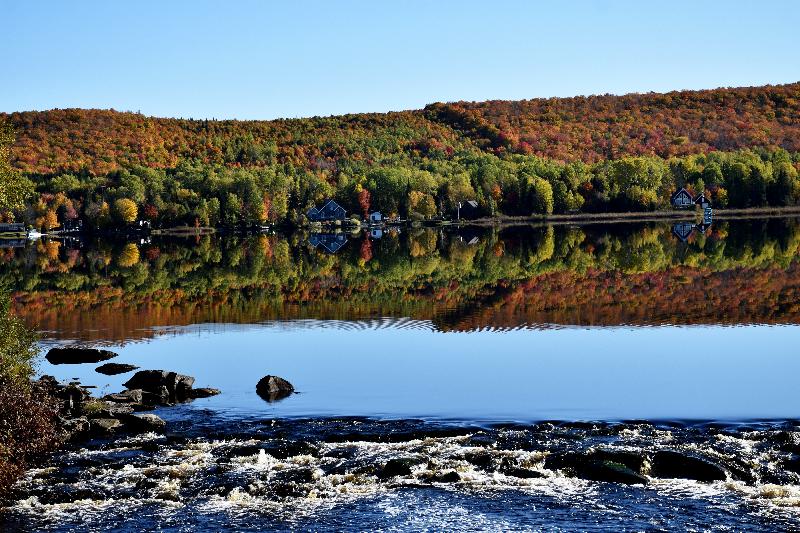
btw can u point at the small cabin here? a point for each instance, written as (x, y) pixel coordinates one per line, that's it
(468, 209)
(702, 201)
(375, 218)
(328, 212)
(682, 199)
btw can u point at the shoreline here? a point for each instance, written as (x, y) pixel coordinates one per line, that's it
(632, 216)
(485, 222)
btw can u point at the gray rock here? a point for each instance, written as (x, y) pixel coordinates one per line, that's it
(100, 409)
(105, 425)
(128, 396)
(75, 426)
(159, 396)
(113, 369)
(144, 422)
(77, 356)
(273, 388)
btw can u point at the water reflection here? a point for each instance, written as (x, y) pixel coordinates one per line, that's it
(330, 242)
(736, 272)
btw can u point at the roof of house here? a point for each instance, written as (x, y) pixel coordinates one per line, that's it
(681, 191)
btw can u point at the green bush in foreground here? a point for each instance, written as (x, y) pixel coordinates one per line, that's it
(28, 413)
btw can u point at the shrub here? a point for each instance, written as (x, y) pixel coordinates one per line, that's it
(28, 412)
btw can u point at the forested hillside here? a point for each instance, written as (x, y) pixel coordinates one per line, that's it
(533, 157)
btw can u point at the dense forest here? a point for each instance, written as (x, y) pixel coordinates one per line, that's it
(741, 147)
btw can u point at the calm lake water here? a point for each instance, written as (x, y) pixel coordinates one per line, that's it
(461, 340)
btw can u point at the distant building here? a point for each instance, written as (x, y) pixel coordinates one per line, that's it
(375, 217)
(468, 209)
(682, 199)
(328, 212)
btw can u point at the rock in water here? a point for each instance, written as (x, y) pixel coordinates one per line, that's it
(144, 423)
(274, 388)
(178, 386)
(128, 396)
(77, 356)
(113, 369)
(671, 464)
(204, 392)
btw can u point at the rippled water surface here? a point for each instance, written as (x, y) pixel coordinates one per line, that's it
(480, 357)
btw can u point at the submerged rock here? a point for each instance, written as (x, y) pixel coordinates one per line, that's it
(446, 477)
(599, 465)
(672, 464)
(523, 473)
(274, 388)
(398, 467)
(113, 369)
(204, 392)
(77, 356)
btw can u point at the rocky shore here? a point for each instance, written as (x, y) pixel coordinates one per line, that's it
(83, 415)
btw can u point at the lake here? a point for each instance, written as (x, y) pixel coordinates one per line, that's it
(521, 343)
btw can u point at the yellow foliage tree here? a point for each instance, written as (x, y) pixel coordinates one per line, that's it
(126, 210)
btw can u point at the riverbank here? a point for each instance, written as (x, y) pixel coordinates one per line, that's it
(632, 216)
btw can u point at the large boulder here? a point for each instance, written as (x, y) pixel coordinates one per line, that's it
(113, 369)
(274, 388)
(143, 423)
(77, 356)
(155, 382)
(672, 464)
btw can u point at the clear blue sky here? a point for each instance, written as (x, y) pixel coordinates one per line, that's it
(260, 59)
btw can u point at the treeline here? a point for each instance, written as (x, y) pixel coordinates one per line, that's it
(595, 154)
(198, 194)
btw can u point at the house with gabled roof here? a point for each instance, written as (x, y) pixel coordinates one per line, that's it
(330, 211)
(682, 199)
